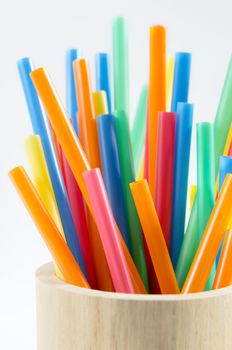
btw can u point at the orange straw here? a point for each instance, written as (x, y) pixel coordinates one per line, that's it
(154, 237)
(157, 96)
(89, 141)
(211, 240)
(88, 134)
(48, 230)
(223, 277)
(73, 151)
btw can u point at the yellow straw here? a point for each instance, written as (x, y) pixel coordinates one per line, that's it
(42, 182)
(100, 103)
(169, 77)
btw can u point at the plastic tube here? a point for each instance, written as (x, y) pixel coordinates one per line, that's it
(181, 79)
(211, 240)
(111, 171)
(165, 171)
(154, 237)
(184, 118)
(128, 176)
(58, 248)
(102, 71)
(156, 97)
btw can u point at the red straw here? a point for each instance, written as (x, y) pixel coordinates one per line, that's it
(79, 218)
(165, 171)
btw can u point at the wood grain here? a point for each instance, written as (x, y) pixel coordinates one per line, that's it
(71, 318)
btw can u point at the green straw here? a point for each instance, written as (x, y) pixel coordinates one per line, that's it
(189, 247)
(223, 117)
(138, 129)
(205, 182)
(196, 225)
(128, 176)
(120, 65)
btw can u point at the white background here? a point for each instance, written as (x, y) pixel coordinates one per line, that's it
(43, 30)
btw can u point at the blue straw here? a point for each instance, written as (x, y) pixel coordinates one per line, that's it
(184, 119)
(41, 127)
(225, 167)
(111, 171)
(71, 99)
(181, 78)
(103, 75)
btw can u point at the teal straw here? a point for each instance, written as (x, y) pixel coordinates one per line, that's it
(205, 182)
(138, 129)
(188, 248)
(128, 176)
(120, 65)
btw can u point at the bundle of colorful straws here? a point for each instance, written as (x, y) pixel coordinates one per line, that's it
(104, 229)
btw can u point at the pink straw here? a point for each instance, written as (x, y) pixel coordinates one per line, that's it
(108, 231)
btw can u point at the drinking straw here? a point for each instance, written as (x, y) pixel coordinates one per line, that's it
(181, 78)
(102, 63)
(128, 176)
(108, 231)
(41, 127)
(89, 140)
(169, 81)
(41, 179)
(193, 191)
(73, 150)
(223, 277)
(42, 182)
(79, 217)
(205, 174)
(138, 129)
(120, 65)
(71, 100)
(100, 103)
(58, 248)
(88, 134)
(225, 167)
(180, 181)
(223, 118)
(211, 240)
(102, 272)
(156, 98)
(165, 171)
(111, 171)
(205, 181)
(154, 237)
(189, 247)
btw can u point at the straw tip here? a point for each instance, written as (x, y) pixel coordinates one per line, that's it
(38, 72)
(119, 20)
(23, 60)
(158, 28)
(15, 171)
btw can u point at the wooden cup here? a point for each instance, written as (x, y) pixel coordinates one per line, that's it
(72, 318)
